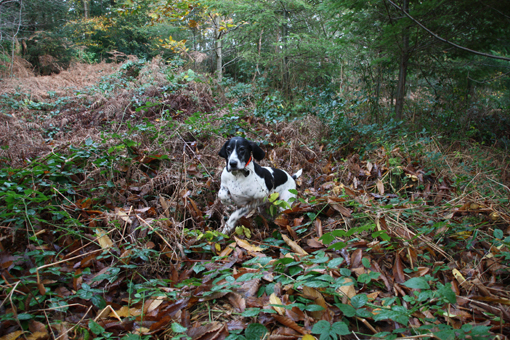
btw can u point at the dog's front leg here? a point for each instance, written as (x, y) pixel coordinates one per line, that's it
(224, 196)
(236, 215)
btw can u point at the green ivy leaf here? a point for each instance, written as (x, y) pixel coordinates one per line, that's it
(336, 262)
(314, 308)
(95, 327)
(348, 310)
(177, 328)
(321, 327)
(255, 331)
(447, 292)
(359, 300)
(417, 283)
(98, 301)
(340, 328)
(251, 312)
(498, 233)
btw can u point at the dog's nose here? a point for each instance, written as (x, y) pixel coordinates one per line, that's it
(233, 164)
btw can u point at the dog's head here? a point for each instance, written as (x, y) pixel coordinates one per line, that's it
(238, 151)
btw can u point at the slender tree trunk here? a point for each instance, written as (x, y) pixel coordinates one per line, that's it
(285, 66)
(86, 9)
(219, 61)
(402, 72)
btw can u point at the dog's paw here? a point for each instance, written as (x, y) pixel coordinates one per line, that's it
(229, 226)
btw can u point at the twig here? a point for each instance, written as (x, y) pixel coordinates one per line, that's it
(75, 324)
(14, 309)
(59, 262)
(443, 39)
(154, 230)
(431, 335)
(504, 186)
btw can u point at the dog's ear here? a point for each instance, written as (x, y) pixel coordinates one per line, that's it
(257, 152)
(223, 151)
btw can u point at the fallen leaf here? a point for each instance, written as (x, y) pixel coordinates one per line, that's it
(398, 270)
(289, 323)
(275, 300)
(104, 241)
(12, 336)
(347, 289)
(227, 250)
(317, 297)
(36, 326)
(37, 336)
(380, 186)
(294, 246)
(246, 245)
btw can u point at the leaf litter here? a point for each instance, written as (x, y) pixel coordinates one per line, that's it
(386, 245)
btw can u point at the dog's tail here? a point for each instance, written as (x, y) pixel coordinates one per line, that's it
(297, 174)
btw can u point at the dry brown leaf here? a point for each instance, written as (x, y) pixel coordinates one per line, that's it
(154, 303)
(347, 290)
(38, 336)
(125, 312)
(340, 208)
(237, 301)
(246, 245)
(318, 299)
(398, 270)
(289, 323)
(227, 250)
(275, 300)
(104, 241)
(318, 227)
(380, 186)
(125, 257)
(356, 258)
(461, 280)
(197, 332)
(314, 243)
(490, 299)
(36, 326)
(122, 215)
(165, 206)
(292, 233)
(294, 246)
(12, 336)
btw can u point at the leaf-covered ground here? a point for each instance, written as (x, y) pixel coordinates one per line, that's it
(109, 224)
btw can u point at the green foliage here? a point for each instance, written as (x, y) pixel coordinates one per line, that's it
(328, 331)
(48, 52)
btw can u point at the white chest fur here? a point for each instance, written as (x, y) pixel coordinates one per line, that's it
(240, 190)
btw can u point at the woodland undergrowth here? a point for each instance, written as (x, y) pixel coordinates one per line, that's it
(109, 222)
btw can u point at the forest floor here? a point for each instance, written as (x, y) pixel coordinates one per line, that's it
(109, 222)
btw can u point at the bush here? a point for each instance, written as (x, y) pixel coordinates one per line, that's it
(49, 52)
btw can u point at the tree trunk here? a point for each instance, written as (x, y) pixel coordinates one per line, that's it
(402, 72)
(285, 66)
(86, 9)
(219, 60)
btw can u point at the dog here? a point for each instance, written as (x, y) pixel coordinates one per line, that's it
(246, 184)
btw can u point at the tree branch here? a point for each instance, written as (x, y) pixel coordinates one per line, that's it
(447, 41)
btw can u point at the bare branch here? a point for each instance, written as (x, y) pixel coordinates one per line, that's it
(447, 41)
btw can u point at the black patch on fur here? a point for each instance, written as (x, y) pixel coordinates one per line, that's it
(266, 175)
(280, 177)
(257, 152)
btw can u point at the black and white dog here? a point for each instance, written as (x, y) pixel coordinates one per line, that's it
(246, 184)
